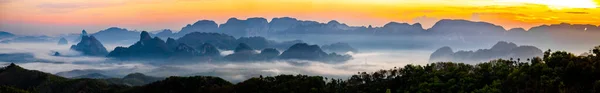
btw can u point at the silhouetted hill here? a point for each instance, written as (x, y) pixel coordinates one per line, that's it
(63, 41)
(146, 48)
(199, 26)
(78, 72)
(501, 50)
(340, 48)
(227, 42)
(171, 43)
(244, 48)
(242, 52)
(303, 51)
(19, 77)
(89, 45)
(281, 24)
(209, 50)
(116, 35)
(566, 33)
(28, 39)
(221, 41)
(6, 35)
(268, 54)
(250, 27)
(464, 27)
(254, 42)
(185, 51)
(165, 33)
(401, 28)
(18, 57)
(284, 45)
(134, 79)
(93, 76)
(36, 81)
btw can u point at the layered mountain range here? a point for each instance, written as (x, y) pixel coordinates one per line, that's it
(501, 50)
(455, 31)
(199, 46)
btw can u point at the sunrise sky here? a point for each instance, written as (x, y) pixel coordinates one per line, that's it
(37, 17)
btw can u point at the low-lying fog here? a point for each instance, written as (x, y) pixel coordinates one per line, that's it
(366, 60)
(372, 57)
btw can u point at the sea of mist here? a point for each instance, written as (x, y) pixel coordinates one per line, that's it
(363, 61)
(375, 53)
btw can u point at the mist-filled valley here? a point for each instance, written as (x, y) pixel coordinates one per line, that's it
(205, 48)
(238, 54)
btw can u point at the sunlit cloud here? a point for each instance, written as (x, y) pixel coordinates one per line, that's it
(29, 16)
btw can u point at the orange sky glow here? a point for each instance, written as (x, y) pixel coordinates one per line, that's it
(21, 16)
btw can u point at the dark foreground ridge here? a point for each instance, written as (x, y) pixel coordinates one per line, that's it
(554, 72)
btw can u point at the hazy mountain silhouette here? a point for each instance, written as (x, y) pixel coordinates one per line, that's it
(116, 35)
(227, 42)
(209, 50)
(27, 39)
(303, 51)
(284, 45)
(134, 79)
(165, 33)
(268, 54)
(172, 43)
(254, 42)
(501, 50)
(93, 76)
(399, 28)
(18, 57)
(4, 34)
(222, 41)
(77, 72)
(89, 45)
(63, 41)
(465, 27)
(250, 27)
(242, 52)
(185, 51)
(281, 24)
(199, 26)
(339, 47)
(146, 48)
(149, 48)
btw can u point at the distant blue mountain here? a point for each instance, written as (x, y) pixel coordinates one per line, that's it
(501, 50)
(445, 29)
(28, 39)
(249, 27)
(63, 41)
(198, 46)
(89, 45)
(146, 48)
(165, 33)
(340, 48)
(93, 76)
(117, 35)
(303, 51)
(199, 26)
(4, 34)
